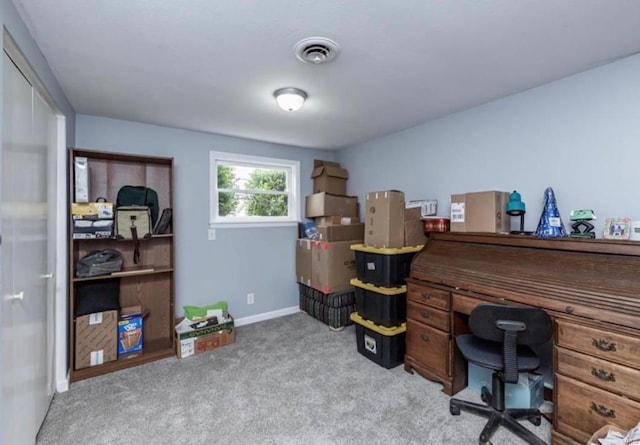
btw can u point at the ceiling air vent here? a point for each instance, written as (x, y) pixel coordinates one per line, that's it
(316, 50)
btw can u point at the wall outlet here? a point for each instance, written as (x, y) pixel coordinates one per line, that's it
(212, 234)
(250, 298)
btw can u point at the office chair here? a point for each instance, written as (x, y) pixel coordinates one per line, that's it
(499, 340)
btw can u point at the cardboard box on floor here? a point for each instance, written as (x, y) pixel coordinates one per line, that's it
(329, 177)
(204, 339)
(96, 339)
(384, 223)
(325, 204)
(333, 265)
(480, 212)
(303, 261)
(333, 220)
(341, 232)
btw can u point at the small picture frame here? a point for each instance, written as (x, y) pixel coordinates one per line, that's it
(617, 228)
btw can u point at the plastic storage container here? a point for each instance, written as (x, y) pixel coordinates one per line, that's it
(387, 267)
(385, 346)
(385, 306)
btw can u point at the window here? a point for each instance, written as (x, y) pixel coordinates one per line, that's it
(251, 191)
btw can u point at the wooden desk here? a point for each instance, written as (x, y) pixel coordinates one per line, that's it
(591, 289)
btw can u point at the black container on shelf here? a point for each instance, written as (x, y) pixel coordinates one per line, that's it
(385, 306)
(384, 266)
(384, 346)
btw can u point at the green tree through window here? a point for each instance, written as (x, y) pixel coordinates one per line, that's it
(267, 204)
(227, 202)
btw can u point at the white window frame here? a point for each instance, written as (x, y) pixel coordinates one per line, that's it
(293, 169)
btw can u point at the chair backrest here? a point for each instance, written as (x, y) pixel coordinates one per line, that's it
(511, 326)
(484, 319)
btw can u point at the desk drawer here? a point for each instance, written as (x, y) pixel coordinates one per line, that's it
(600, 343)
(427, 295)
(428, 346)
(603, 374)
(428, 315)
(582, 409)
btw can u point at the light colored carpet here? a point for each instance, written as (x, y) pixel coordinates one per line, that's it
(284, 381)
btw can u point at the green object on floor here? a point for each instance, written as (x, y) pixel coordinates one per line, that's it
(192, 312)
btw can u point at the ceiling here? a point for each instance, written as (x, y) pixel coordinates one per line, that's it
(213, 66)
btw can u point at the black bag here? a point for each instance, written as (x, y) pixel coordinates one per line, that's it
(138, 195)
(97, 296)
(99, 262)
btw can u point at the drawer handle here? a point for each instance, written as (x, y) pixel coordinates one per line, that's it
(425, 295)
(603, 375)
(604, 345)
(425, 314)
(424, 336)
(603, 411)
(569, 309)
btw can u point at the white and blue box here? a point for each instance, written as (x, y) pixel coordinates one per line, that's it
(130, 330)
(527, 393)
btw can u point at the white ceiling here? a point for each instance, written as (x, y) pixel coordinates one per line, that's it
(212, 65)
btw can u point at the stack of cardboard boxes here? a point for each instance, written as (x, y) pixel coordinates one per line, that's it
(325, 265)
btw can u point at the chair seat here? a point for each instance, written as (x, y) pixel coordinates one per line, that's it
(488, 354)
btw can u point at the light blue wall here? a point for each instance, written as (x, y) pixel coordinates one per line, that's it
(579, 135)
(239, 260)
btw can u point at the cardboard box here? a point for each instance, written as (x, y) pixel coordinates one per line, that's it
(527, 393)
(480, 212)
(325, 204)
(92, 210)
(428, 207)
(602, 433)
(130, 330)
(303, 261)
(412, 213)
(414, 233)
(81, 179)
(96, 339)
(205, 339)
(333, 220)
(341, 232)
(329, 177)
(333, 265)
(91, 229)
(384, 223)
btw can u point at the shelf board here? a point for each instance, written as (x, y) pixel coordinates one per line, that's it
(151, 351)
(113, 238)
(128, 272)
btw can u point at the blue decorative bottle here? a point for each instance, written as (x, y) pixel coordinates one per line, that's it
(550, 225)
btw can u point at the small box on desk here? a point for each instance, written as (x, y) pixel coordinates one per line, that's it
(385, 346)
(527, 393)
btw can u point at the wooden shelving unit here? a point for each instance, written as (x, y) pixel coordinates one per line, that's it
(151, 282)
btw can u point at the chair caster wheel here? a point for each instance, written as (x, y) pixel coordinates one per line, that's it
(485, 395)
(482, 442)
(535, 420)
(454, 410)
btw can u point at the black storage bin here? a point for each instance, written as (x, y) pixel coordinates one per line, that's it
(385, 306)
(383, 266)
(385, 346)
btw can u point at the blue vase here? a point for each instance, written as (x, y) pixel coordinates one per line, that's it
(550, 224)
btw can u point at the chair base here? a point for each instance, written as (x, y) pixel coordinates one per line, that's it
(507, 418)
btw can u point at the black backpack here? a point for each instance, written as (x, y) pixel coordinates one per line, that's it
(138, 195)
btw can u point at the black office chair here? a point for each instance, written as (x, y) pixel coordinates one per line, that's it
(499, 340)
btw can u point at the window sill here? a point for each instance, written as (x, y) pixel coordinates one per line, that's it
(249, 225)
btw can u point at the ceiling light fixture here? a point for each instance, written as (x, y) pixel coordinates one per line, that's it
(290, 99)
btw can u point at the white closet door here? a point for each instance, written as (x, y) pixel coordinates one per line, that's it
(27, 303)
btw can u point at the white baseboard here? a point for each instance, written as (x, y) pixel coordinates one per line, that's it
(266, 316)
(62, 385)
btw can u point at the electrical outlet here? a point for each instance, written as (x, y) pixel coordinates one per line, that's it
(250, 298)
(212, 234)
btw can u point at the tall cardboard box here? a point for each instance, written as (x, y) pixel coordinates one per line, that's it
(480, 212)
(329, 177)
(384, 224)
(333, 265)
(96, 339)
(303, 261)
(326, 204)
